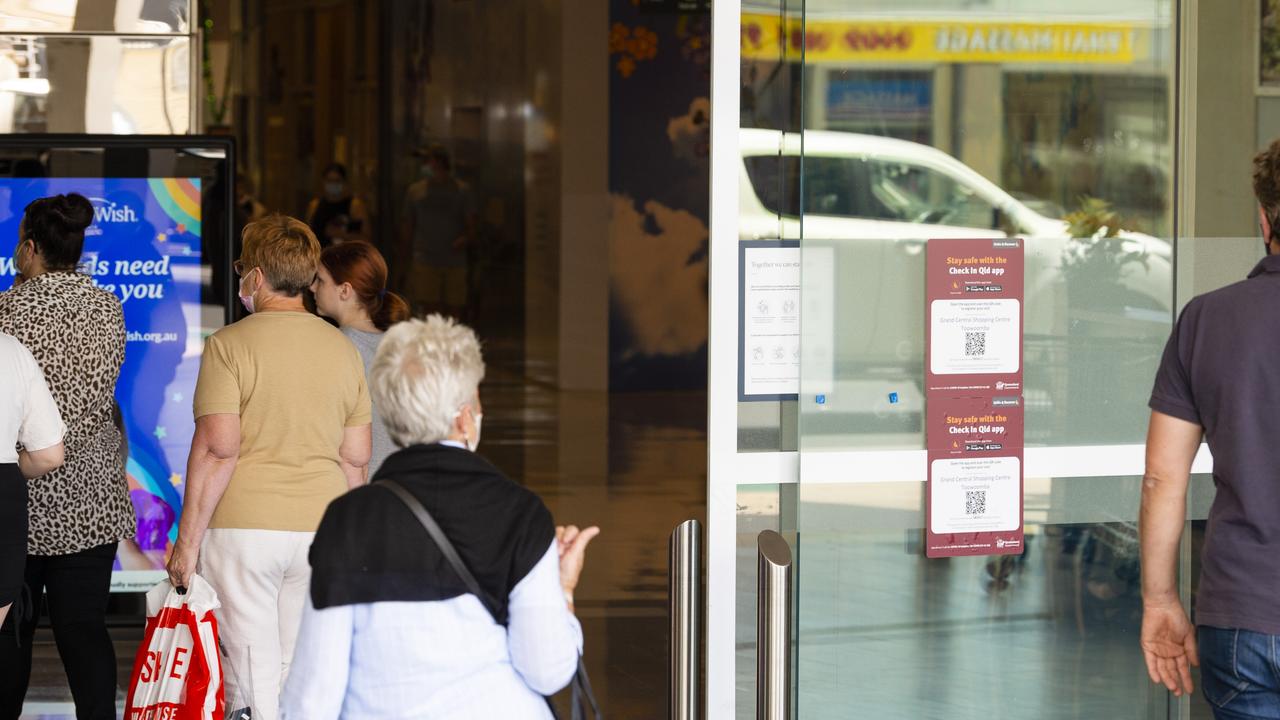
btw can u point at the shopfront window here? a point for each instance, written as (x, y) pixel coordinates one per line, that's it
(1050, 123)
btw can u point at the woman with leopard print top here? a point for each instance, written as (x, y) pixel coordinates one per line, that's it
(80, 512)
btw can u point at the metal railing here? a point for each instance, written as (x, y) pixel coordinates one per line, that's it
(684, 593)
(773, 628)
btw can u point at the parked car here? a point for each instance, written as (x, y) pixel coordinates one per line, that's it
(877, 201)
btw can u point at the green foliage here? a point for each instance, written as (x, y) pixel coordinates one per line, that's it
(1094, 217)
(1096, 254)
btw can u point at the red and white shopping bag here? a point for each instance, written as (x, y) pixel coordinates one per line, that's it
(178, 674)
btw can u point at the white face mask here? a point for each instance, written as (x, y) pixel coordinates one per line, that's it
(473, 444)
(21, 255)
(246, 300)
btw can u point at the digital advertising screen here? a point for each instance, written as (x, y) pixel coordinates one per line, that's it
(149, 244)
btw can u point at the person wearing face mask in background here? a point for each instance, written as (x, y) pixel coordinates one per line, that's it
(438, 228)
(351, 289)
(390, 630)
(336, 215)
(282, 428)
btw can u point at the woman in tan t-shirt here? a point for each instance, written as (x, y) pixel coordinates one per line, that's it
(282, 428)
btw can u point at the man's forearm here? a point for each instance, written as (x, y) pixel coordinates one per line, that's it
(207, 479)
(1162, 517)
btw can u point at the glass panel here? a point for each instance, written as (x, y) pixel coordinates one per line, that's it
(101, 84)
(1097, 315)
(138, 17)
(769, 222)
(887, 633)
(769, 215)
(1049, 122)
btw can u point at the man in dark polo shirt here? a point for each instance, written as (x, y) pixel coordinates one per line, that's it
(1220, 379)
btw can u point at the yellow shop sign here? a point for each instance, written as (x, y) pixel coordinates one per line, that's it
(766, 37)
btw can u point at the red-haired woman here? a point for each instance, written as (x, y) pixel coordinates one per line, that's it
(351, 289)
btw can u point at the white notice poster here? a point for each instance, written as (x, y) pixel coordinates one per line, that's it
(770, 321)
(975, 337)
(980, 494)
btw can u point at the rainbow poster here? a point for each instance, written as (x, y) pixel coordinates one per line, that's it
(144, 246)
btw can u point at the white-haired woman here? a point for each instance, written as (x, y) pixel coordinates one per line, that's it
(391, 630)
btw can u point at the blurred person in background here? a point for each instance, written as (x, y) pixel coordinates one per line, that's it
(351, 289)
(282, 428)
(438, 228)
(336, 215)
(391, 630)
(80, 512)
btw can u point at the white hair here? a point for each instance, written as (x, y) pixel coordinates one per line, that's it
(423, 372)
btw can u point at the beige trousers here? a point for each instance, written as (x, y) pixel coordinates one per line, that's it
(262, 578)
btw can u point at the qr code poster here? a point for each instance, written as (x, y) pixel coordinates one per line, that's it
(974, 317)
(975, 495)
(975, 337)
(975, 490)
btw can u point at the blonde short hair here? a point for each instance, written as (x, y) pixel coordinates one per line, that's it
(423, 372)
(285, 249)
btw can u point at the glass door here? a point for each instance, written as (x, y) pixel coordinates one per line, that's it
(1050, 123)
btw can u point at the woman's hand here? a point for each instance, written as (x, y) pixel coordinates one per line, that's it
(182, 564)
(572, 544)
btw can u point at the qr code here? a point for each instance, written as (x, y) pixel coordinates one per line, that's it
(975, 344)
(975, 502)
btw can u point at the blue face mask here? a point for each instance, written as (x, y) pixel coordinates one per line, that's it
(333, 189)
(427, 171)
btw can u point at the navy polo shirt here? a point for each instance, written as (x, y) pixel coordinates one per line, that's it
(1221, 370)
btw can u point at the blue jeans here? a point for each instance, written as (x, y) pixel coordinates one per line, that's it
(1240, 673)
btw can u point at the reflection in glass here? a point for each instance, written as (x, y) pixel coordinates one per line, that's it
(136, 18)
(1052, 633)
(971, 140)
(99, 84)
(924, 120)
(771, 101)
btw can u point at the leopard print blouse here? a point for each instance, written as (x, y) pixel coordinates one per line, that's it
(76, 333)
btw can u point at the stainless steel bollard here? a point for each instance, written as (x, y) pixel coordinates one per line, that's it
(773, 628)
(684, 592)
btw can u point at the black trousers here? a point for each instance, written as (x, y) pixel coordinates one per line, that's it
(77, 587)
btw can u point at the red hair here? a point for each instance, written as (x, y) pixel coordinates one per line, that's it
(361, 265)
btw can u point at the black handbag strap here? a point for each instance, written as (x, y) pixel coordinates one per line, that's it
(581, 684)
(442, 542)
